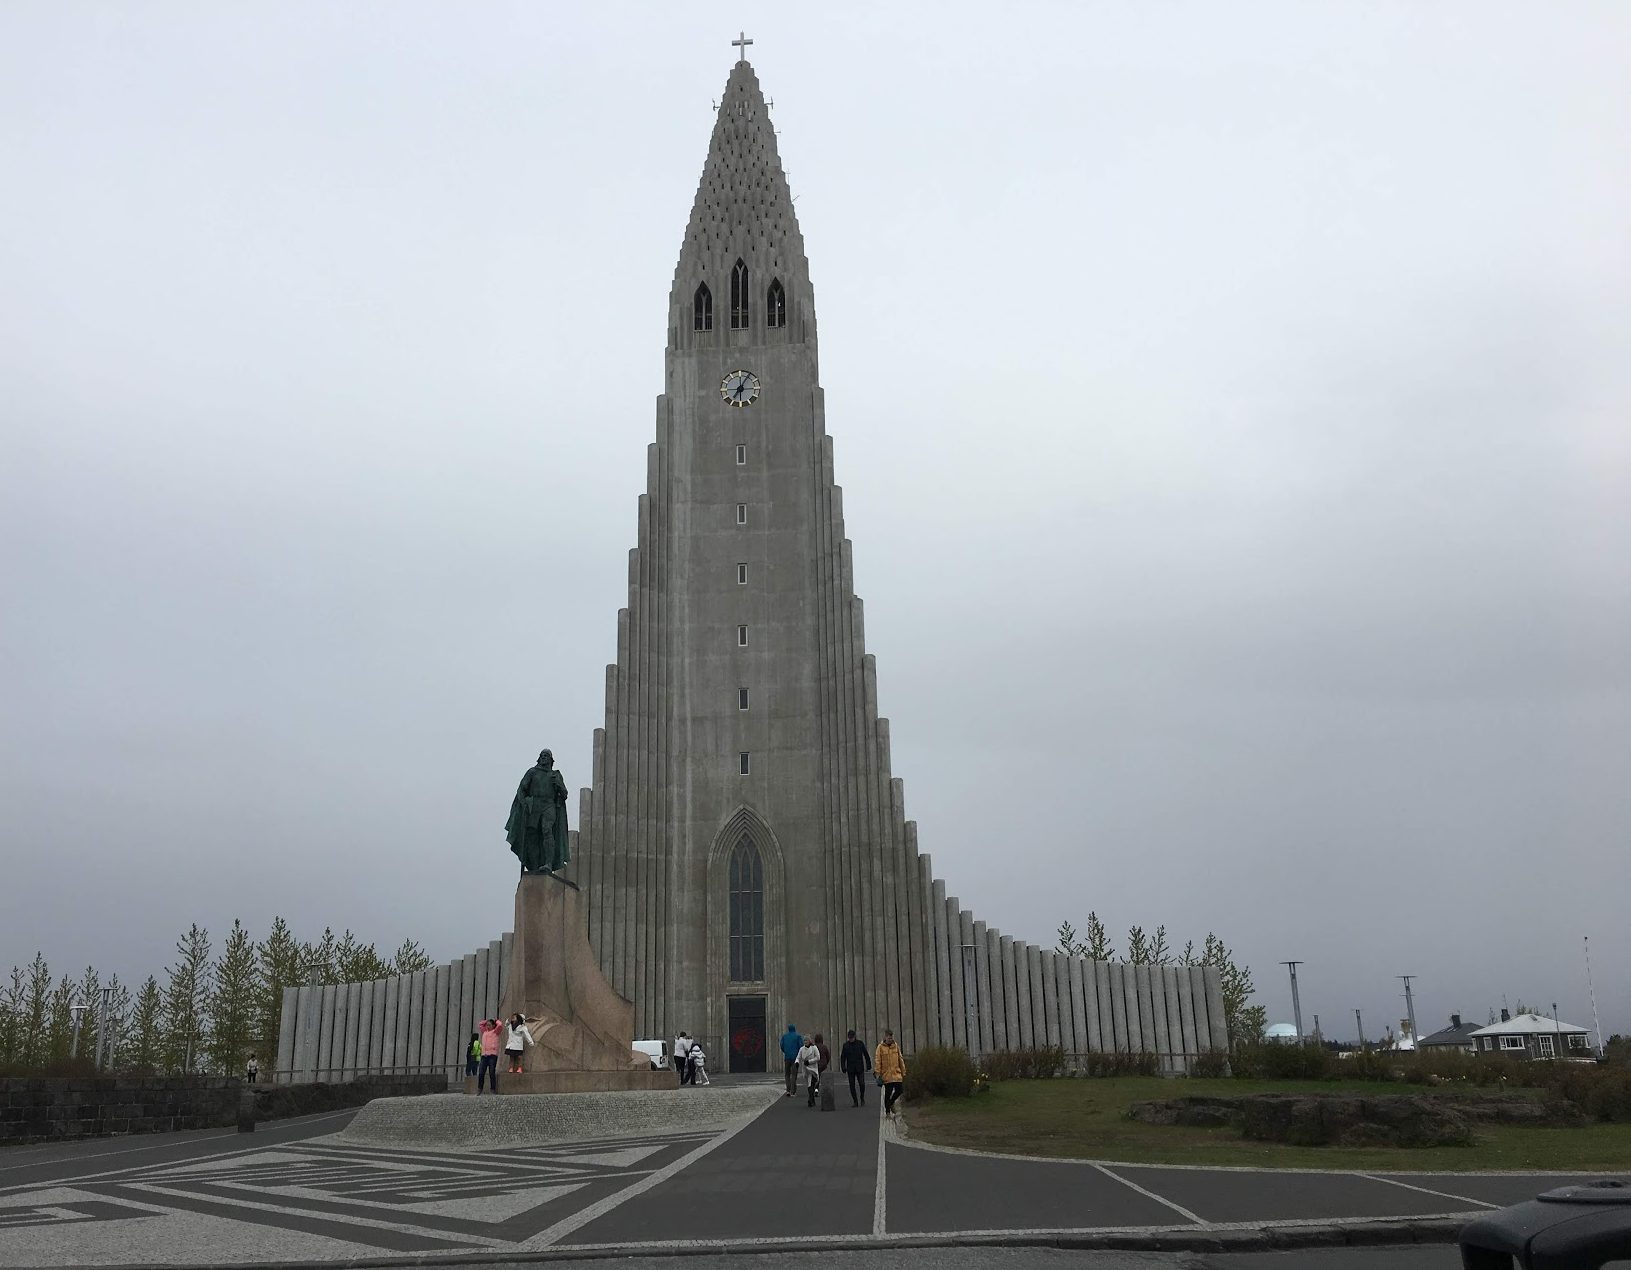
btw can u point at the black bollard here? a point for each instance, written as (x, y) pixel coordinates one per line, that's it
(246, 1111)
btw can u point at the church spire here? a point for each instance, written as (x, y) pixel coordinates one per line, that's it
(743, 212)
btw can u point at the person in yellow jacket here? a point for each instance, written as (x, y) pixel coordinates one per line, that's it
(891, 1071)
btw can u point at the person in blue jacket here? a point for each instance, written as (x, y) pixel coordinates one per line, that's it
(792, 1043)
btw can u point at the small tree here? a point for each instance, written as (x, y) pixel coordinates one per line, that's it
(1160, 954)
(1138, 947)
(1244, 1022)
(36, 1004)
(1097, 945)
(59, 1021)
(232, 1002)
(89, 992)
(143, 1048)
(1068, 943)
(356, 962)
(13, 1047)
(278, 956)
(410, 959)
(186, 1000)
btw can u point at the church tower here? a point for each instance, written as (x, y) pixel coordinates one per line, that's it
(744, 850)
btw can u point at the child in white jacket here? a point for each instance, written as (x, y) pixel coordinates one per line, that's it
(699, 1064)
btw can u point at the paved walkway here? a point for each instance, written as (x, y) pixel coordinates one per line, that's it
(790, 1177)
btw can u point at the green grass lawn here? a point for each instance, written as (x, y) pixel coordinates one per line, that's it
(1087, 1119)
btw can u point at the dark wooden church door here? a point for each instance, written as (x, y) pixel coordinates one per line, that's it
(747, 1034)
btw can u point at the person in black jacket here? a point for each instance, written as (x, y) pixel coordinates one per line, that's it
(855, 1062)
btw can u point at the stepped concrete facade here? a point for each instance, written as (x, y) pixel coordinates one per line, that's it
(744, 849)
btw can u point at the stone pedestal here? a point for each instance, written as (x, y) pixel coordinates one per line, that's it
(582, 1028)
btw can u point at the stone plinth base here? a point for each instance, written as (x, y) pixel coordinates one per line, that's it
(580, 1025)
(578, 1082)
(452, 1121)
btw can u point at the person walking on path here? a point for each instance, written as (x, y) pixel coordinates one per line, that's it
(698, 1059)
(792, 1043)
(516, 1040)
(810, 1065)
(682, 1057)
(891, 1069)
(490, 1036)
(254, 1069)
(472, 1055)
(855, 1062)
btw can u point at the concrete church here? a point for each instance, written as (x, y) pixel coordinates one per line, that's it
(745, 850)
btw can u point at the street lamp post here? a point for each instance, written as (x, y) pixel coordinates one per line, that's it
(1296, 1005)
(77, 1011)
(1410, 1008)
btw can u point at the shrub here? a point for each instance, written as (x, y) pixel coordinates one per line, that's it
(1210, 1066)
(1096, 1063)
(1026, 1064)
(939, 1072)
(1282, 1062)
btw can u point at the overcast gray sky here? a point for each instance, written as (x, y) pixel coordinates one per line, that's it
(1233, 406)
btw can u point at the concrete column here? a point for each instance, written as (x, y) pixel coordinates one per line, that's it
(478, 1001)
(1078, 1005)
(288, 1020)
(1050, 996)
(440, 978)
(1043, 1019)
(1012, 1037)
(1022, 984)
(1067, 1011)
(323, 996)
(391, 990)
(376, 1046)
(468, 996)
(1135, 1025)
(495, 975)
(982, 984)
(954, 972)
(1158, 1012)
(405, 1056)
(942, 971)
(999, 1007)
(504, 945)
(1219, 1033)
(418, 1023)
(335, 1065)
(1090, 1007)
(1104, 1007)
(364, 1027)
(931, 959)
(345, 1045)
(1146, 1014)
(914, 913)
(1186, 1011)
(309, 1036)
(1118, 1006)
(970, 981)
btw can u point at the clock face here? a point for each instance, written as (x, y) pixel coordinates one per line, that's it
(739, 388)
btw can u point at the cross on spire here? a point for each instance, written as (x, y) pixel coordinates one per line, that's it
(742, 42)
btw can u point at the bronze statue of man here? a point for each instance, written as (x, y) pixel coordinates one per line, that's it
(536, 829)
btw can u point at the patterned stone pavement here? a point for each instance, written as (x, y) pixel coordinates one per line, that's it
(788, 1176)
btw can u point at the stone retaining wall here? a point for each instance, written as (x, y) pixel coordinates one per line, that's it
(47, 1109)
